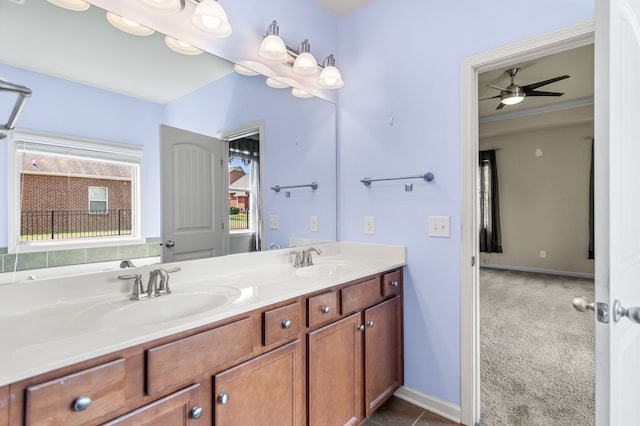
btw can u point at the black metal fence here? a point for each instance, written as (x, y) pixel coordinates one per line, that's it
(239, 221)
(60, 224)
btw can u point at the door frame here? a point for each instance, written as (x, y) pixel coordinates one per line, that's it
(548, 44)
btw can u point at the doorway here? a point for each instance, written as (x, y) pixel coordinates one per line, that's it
(571, 38)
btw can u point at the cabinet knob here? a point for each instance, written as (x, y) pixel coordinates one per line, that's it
(81, 403)
(361, 327)
(370, 324)
(223, 398)
(196, 412)
(394, 283)
(325, 309)
(286, 324)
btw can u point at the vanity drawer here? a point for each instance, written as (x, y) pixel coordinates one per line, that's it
(360, 296)
(322, 308)
(176, 362)
(391, 284)
(58, 402)
(281, 324)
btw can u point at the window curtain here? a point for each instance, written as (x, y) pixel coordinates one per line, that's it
(490, 234)
(591, 217)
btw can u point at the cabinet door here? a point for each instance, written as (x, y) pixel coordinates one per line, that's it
(383, 352)
(178, 409)
(335, 376)
(266, 390)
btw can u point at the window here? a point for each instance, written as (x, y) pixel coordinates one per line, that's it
(244, 182)
(98, 200)
(490, 233)
(72, 192)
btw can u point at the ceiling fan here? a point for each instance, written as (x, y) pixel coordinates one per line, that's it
(514, 93)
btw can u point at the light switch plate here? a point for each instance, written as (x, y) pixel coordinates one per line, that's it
(274, 221)
(440, 226)
(313, 223)
(369, 226)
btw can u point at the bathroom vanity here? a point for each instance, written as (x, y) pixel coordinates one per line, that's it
(268, 344)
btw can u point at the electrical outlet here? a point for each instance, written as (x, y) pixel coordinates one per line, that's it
(274, 221)
(440, 226)
(543, 254)
(313, 224)
(369, 228)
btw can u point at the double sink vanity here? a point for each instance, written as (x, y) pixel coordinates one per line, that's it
(246, 339)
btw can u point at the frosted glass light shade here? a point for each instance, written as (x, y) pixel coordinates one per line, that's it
(165, 6)
(330, 78)
(299, 93)
(127, 25)
(244, 70)
(76, 5)
(211, 18)
(273, 49)
(272, 82)
(181, 47)
(305, 64)
(512, 99)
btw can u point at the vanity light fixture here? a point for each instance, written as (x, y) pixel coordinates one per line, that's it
(272, 82)
(211, 18)
(164, 6)
(127, 25)
(305, 63)
(299, 93)
(272, 47)
(75, 5)
(180, 46)
(244, 70)
(330, 77)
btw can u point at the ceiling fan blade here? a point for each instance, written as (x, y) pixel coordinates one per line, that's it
(500, 105)
(539, 93)
(493, 86)
(492, 97)
(533, 86)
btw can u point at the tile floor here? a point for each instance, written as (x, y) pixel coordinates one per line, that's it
(397, 412)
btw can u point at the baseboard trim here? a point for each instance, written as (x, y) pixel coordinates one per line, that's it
(435, 405)
(540, 271)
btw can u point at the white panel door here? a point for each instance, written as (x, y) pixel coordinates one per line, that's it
(195, 196)
(617, 123)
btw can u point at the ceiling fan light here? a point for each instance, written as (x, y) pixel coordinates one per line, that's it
(127, 25)
(305, 63)
(272, 82)
(512, 100)
(180, 46)
(244, 70)
(299, 93)
(164, 6)
(211, 18)
(272, 47)
(75, 5)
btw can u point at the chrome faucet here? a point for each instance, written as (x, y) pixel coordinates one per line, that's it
(157, 286)
(307, 260)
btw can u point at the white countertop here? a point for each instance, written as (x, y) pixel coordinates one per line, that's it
(52, 323)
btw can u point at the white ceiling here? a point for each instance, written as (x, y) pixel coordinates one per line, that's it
(342, 7)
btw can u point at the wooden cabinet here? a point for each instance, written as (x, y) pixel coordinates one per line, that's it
(178, 409)
(4, 405)
(356, 363)
(267, 390)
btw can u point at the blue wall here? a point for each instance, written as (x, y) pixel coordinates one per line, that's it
(401, 59)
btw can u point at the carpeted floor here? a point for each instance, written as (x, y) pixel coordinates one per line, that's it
(536, 350)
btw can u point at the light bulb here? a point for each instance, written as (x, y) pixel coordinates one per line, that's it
(330, 78)
(127, 25)
(180, 46)
(211, 18)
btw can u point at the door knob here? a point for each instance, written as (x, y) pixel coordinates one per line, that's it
(632, 313)
(583, 304)
(169, 243)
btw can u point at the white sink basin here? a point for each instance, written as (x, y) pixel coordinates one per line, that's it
(130, 313)
(326, 270)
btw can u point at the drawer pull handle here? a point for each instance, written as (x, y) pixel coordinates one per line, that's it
(361, 327)
(370, 324)
(394, 283)
(223, 398)
(325, 309)
(196, 412)
(286, 324)
(81, 403)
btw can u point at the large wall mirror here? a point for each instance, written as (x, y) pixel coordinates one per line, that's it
(92, 82)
